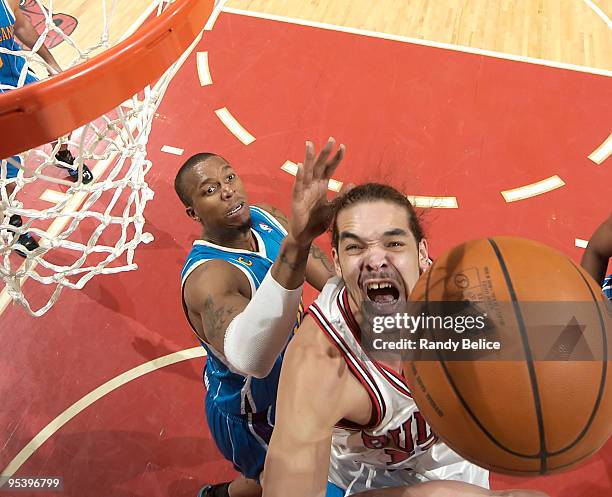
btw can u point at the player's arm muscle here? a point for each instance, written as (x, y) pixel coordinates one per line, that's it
(318, 268)
(447, 489)
(312, 398)
(213, 292)
(27, 35)
(598, 251)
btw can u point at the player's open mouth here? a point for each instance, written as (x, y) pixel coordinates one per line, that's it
(382, 292)
(235, 209)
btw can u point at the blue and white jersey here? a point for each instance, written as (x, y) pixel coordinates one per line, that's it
(607, 287)
(231, 391)
(10, 65)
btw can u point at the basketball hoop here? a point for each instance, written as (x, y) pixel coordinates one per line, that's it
(113, 96)
(40, 112)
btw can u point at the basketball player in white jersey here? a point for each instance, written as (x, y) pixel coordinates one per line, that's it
(342, 416)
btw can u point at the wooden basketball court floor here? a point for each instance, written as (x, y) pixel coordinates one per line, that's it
(495, 114)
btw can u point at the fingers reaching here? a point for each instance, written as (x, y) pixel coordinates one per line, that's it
(332, 165)
(298, 185)
(318, 168)
(321, 162)
(309, 164)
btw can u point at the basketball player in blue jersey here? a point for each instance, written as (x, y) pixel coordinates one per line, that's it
(242, 285)
(597, 256)
(13, 23)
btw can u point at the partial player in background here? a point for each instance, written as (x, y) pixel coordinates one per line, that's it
(597, 256)
(14, 24)
(242, 285)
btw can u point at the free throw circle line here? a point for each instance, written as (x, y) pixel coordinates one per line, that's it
(83, 403)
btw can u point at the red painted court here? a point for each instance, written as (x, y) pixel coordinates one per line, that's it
(434, 122)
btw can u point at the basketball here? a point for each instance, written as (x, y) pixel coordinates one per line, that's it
(541, 404)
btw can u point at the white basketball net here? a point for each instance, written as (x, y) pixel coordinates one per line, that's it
(83, 230)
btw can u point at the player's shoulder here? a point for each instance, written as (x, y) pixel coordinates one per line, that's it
(328, 295)
(312, 357)
(310, 345)
(313, 364)
(275, 213)
(216, 276)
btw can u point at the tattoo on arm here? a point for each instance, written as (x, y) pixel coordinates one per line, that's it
(294, 266)
(215, 318)
(317, 254)
(277, 214)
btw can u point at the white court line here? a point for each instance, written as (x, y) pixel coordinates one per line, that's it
(214, 15)
(581, 243)
(83, 403)
(433, 202)
(172, 150)
(600, 13)
(234, 126)
(291, 168)
(203, 69)
(533, 189)
(602, 152)
(53, 196)
(418, 41)
(416, 200)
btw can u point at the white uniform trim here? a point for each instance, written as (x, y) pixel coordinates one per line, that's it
(361, 372)
(252, 430)
(229, 432)
(9, 10)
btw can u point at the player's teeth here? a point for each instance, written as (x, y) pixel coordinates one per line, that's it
(373, 286)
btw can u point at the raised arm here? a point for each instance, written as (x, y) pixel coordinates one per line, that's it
(27, 35)
(319, 268)
(252, 333)
(316, 390)
(215, 293)
(598, 251)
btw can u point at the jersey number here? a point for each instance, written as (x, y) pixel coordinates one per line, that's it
(399, 443)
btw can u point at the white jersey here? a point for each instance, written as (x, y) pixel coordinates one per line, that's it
(397, 447)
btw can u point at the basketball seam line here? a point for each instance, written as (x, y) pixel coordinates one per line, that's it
(528, 356)
(551, 468)
(460, 397)
(604, 370)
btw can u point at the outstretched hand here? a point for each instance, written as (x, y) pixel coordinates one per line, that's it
(311, 211)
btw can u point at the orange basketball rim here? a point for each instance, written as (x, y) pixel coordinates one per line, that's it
(41, 112)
